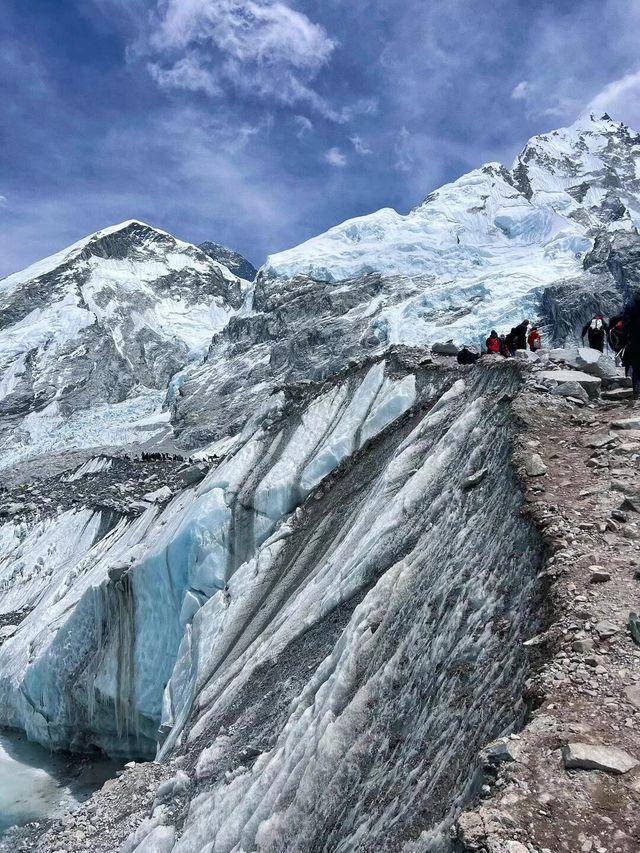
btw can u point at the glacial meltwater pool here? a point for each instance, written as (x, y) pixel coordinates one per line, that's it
(36, 784)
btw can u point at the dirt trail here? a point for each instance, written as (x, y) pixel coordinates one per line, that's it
(587, 684)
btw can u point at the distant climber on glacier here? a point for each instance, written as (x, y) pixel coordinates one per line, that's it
(493, 343)
(534, 339)
(631, 351)
(595, 330)
(466, 356)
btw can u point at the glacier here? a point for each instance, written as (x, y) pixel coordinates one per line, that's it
(323, 624)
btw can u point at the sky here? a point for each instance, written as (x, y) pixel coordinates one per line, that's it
(260, 123)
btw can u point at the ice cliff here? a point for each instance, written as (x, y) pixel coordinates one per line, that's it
(324, 630)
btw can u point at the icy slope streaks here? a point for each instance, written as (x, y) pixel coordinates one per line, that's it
(331, 595)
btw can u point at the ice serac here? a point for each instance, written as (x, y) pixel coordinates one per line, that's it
(109, 320)
(479, 253)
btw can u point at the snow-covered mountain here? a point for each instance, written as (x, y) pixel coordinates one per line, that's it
(233, 261)
(105, 323)
(478, 252)
(321, 625)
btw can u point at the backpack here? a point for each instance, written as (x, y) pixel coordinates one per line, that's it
(596, 323)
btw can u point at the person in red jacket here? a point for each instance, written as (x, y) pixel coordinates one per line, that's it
(493, 343)
(534, 339)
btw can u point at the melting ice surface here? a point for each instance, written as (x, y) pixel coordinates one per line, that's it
(36, 784)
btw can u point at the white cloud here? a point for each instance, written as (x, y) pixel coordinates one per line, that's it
(403, 147)
(359, 145)
(521, 91)
(305, 125)
(620, 98)
(188, 74)
(335, 157)
(4, 202)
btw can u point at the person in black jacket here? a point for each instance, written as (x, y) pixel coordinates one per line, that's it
(517, 337)
(465, 356)
(631, 352)
(595, 330)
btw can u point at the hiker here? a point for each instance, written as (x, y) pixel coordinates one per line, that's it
(517, 337)
(493, 343)
(631, 351)
(595, 331)
(616, 336)
(534, 339)
(465, 356)
(504, 347)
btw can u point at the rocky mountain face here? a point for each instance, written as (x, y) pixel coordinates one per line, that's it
(100, 327)
(318, 620)
(233, 261)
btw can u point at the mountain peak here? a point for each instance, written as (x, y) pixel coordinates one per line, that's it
(231, 259)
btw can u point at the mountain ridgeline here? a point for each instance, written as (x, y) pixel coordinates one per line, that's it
(253, 528)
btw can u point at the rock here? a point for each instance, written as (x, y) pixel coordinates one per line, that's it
(7, 631)
(159, 496)
(633, 695)
(634, 627)
(605, 629)
(591, 384)
(586, 756)
(527, 355)
(599, 441)
(626, 423)
(591, 361)
(497, 752)
(571, 390)
(599, 575)
(473, 479)
(116, 571)
(193, 474)
(448, 348)
(10, 509)
(534, 466)
(584, 645)
(617, 394)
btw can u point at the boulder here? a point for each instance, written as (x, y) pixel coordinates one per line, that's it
(634, 628)
(587, 756)
(591, 384)
(626, 423)
(633, 695)
(605, 629)
(599, 575)
(159, 496)
(571, 389)
(194, 474)
(448, 348)
(617, 394)
(473, 479)
(534, 466)
(497, 752)
(590, 361)
(527, 355)
(7, 631)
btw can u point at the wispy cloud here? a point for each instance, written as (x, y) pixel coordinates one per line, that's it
(4, 201)
(359, 145)
(621, 98)
(335, 157)
(304, 124)
(519, 92)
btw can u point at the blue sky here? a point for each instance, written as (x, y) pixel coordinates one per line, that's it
(259, 123)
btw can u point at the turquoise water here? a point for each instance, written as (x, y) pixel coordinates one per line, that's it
(35, 784)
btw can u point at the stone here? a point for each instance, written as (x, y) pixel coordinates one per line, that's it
(626, 423)
(193, 474)
(497, 752)
(599, 575)
(605, 629)
(7, 631)
(527, 355)
(585, 645)
(473, 479)
(571, 390)
(633, 695)
(609, 759)
(591, 384)
(598, 441)
(634, 627)
(158, 496)
(534, 466)
(617, 394)
(448, 348)
(589, 360)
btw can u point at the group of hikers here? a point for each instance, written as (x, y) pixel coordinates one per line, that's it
(621, 332)
(519, 338)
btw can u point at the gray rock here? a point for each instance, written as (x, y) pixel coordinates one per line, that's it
(158, 496)
(634, 627)
(586, 756)
(599, 575)
(589, 360)
(498, 751)
(534, 466)
(617, 394)
(633, 695)
(194, 474)
(473, 479)
(591, 384)
(572, 390)
(626, 423)
(527, 355)
(605, 629)
(448, 348)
